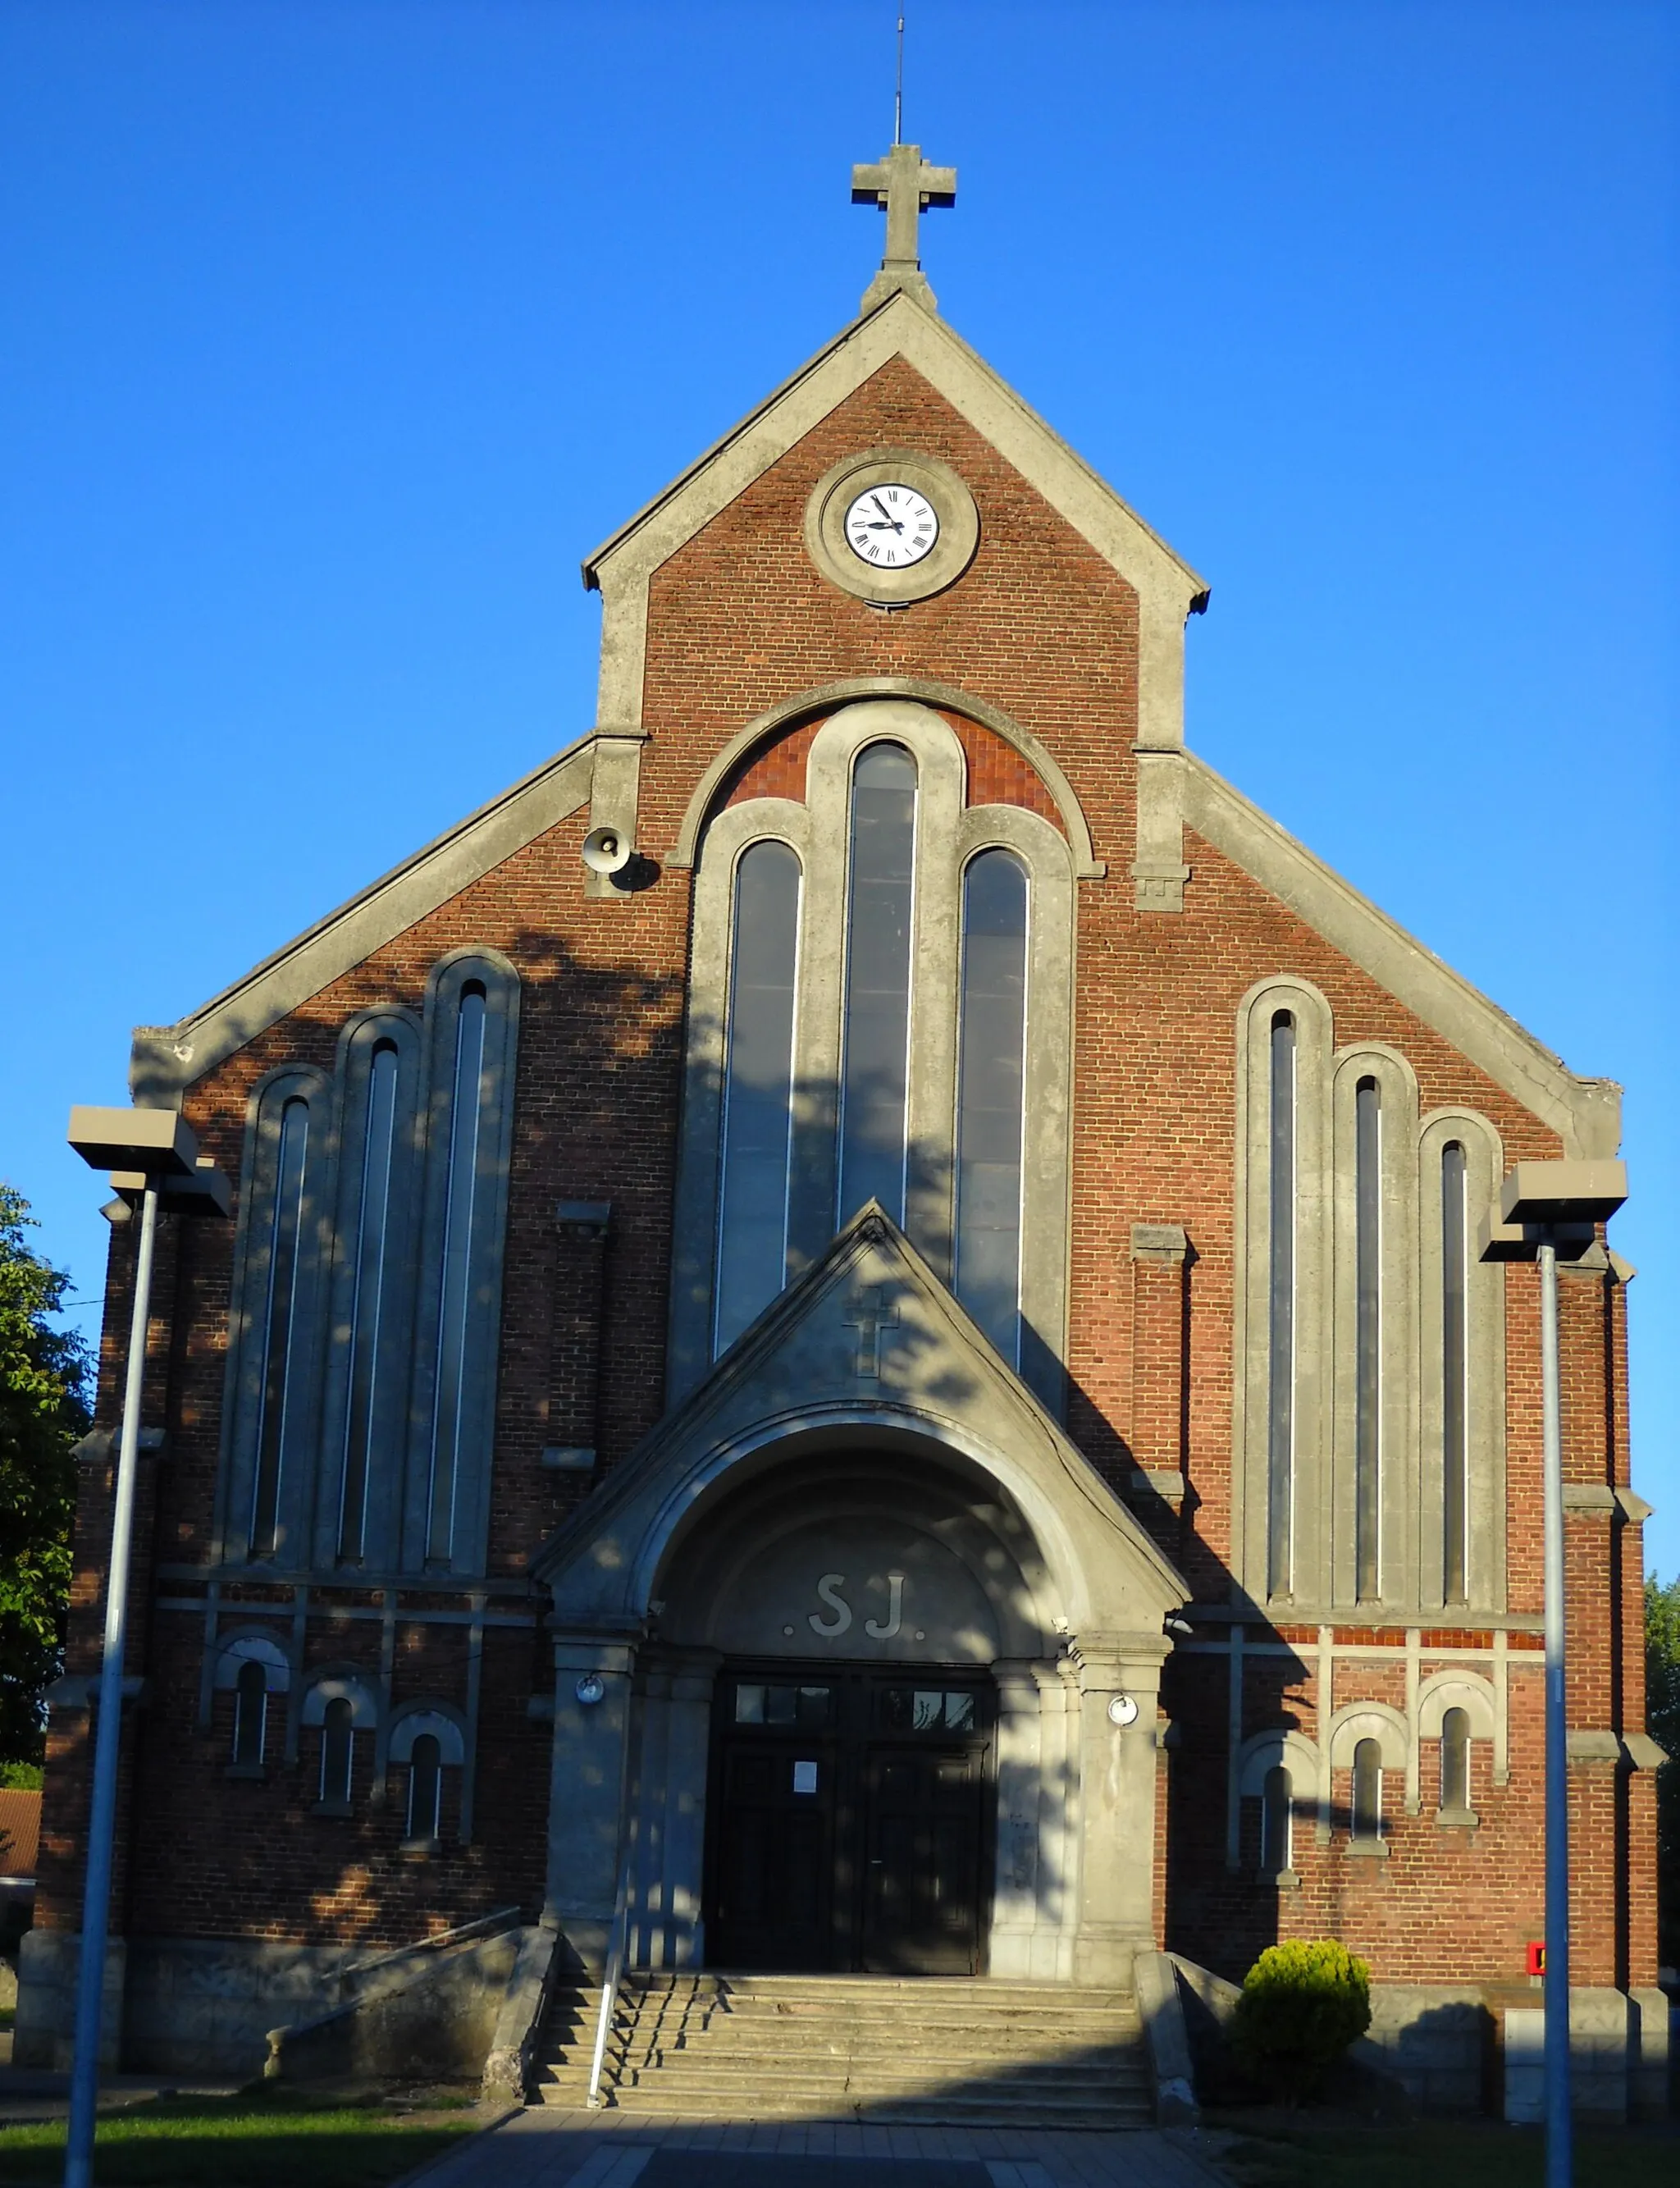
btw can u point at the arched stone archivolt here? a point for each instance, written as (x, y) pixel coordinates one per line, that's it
(765, 729)
(785, 1493)
(1456, 1689)
(864, 1543)
(1375, 1720)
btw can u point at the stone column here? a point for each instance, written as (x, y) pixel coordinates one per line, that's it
(1059, 1812)
(1020, 1779)
(644, 1943)
(1117, 1790)
(694, 1673)
(589, 1788)
(673, 1755)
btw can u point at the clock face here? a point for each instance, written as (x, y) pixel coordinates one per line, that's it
(891, 526)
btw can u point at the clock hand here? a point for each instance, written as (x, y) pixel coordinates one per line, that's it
(882, 506)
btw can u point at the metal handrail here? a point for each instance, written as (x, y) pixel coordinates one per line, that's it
(612, 1977)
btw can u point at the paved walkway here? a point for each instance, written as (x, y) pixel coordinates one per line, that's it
(543, 2147)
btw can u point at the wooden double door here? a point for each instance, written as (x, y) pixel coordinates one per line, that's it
(850, 1819)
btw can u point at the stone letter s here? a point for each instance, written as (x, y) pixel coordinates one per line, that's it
(829, 1588)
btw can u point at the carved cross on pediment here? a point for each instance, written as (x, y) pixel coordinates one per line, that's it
(872, 1313)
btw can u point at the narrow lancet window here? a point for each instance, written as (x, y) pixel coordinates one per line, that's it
(875, 1072)
(250, 1714)
(1276, 1851)
(1455, 1762)
(279, 1324)
(338, 1749)
(990, 1086)
(426, 1788)
(757, 1089)
(1367, 1339)
(466, 1111)
(1281, 1351)
(367, 1312)
(1368, 1790)
(1454, 1377)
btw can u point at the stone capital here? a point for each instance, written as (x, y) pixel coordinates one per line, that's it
(1108, 1662)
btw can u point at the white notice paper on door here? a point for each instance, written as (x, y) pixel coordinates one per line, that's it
(804, 1777)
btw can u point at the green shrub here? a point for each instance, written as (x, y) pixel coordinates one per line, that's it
(1303, 2003)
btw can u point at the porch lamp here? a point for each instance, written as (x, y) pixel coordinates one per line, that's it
(154, 1158)
(1546, 1212)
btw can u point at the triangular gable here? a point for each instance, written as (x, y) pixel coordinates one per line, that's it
(1167, 588)
(868, 1335)
(167, 1059)
(1585, 1114)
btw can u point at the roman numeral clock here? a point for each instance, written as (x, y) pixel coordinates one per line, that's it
(891, 526)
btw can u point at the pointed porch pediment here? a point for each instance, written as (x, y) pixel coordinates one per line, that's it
(867, 1346)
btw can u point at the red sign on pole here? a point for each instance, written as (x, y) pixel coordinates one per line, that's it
(1537, 1956)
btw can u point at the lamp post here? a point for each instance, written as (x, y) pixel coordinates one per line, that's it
(153, 1157)
(1546, 1213)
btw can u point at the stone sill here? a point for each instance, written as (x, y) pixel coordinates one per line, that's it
(332, 1808)
(256, 1772)
(421, 1849)
(1458, 1819)
(1368, 1849)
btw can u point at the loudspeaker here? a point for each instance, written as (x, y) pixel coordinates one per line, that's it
(607, 851)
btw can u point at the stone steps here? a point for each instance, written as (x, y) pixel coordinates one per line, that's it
(927, 2049)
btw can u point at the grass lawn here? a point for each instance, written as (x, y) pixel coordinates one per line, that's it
(253, 2141)
(1475, 2154)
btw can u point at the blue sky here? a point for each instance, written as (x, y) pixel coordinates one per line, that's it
(337, 334)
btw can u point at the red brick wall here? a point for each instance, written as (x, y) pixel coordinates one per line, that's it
(1041, 627)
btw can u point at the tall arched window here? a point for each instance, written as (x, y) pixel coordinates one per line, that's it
(1455, 1762)
(338, 1739)
(280, 1378)
(1368, 1790)
(250, 1713)
(1454, 1377)
(991, 1074)
(1367, 1339)
(929, 926)
(455, 1292)
(1281, 1353)
(371, 1234)
(1277, 1833)
(472, 1018)
(426, 1788)
(874, 1080)
(758, 1115)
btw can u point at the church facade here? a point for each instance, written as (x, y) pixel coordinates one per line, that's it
(852, 1332)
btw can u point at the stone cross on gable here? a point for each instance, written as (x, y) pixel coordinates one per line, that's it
(907, 186)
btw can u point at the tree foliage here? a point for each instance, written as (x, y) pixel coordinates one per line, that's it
(43, 1409)
(1662, 1721)
(1303, 2003)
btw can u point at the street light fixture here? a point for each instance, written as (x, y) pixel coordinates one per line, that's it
(154, 1158)
(1546, 1213)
